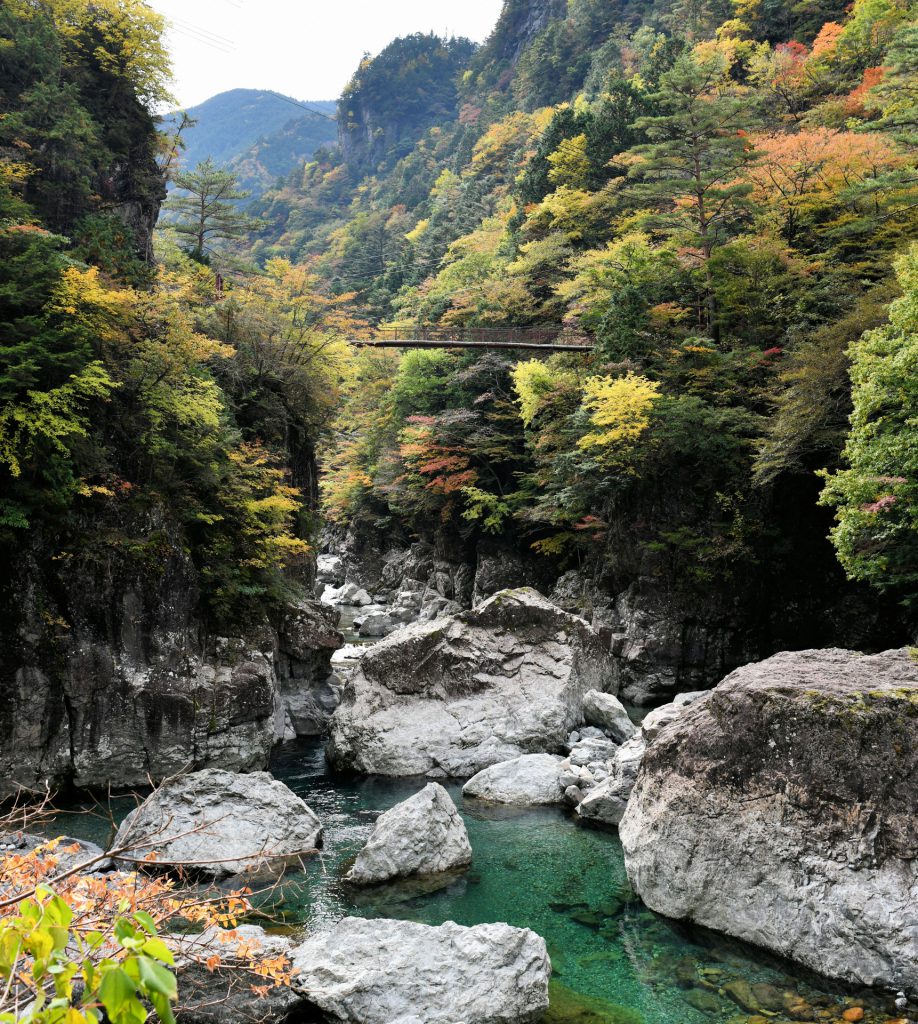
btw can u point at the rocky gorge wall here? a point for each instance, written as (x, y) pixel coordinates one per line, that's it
(661, 640)
(108, 675)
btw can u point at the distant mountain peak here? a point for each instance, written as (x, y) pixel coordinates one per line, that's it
(262, 134)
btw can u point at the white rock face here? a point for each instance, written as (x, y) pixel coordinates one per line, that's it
(452, 697)
(660, 717)
(607, 712)
(606, 802)
(221, 823)
(422, 835)
(530, 779)
(381, 971)
(783, 809)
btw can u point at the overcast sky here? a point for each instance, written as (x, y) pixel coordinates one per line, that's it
(304, 48)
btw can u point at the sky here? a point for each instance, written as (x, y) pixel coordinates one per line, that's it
(307, 49)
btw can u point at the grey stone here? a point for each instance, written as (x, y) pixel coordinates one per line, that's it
(783, 809)
(307, 690)
(589, 750)
(530, 779)
(660, 717)
(607, 711)
(219, 823)
(423, 835)
(216, 996)
(68, 853)
(452, 697)
(606, 802)
(330, 569)
(573, 795)
(380, 971)
(377, 624)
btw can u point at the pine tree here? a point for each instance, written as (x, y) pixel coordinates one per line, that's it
(897, 94)
(206, 209)
(692, 167)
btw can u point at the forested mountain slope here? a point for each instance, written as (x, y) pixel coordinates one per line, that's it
(716, 195)
(157, 434)
(261, 135)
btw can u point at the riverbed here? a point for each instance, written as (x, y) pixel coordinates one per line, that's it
(614, 961)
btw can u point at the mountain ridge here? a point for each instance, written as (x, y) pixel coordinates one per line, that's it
(255, 132)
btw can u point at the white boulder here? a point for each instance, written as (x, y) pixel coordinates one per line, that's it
(607, 712)
(380, 971)
(219, 823)
(451, 697)
(422, 835)
(530, 779)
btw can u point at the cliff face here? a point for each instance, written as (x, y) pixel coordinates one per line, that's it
(395, 97)
(520, 22)
(109, 678)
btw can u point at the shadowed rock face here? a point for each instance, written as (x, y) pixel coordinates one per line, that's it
(452, 697)
(783, 809)
(108, 676)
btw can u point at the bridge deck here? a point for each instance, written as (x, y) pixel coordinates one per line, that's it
(545, 339)
(449, 343)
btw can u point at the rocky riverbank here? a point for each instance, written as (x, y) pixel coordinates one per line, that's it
(782, 808)
(803, 765)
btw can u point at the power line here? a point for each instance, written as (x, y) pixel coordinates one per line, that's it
(311, 110)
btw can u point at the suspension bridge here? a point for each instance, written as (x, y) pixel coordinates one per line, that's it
(543, 339)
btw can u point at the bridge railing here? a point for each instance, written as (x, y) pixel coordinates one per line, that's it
(547, 334)
(549, 338)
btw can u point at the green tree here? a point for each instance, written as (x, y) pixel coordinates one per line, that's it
(897, 93)
(691, 167)
(205, 209)
(876, 497)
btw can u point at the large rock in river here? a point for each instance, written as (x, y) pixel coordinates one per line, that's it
(530, 779)
(451, 697)
(380, 972)
(783, 809)
(422, 835)
(217, 992)
(219, 823)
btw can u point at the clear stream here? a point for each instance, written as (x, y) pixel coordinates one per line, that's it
(614, 961)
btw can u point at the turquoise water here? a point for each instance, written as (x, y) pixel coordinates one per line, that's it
(613, 960)
(538, 868)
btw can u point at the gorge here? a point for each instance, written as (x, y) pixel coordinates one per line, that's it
(463, 686)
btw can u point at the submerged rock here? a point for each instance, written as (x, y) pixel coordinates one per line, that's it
(452, 697)
(783, 809)
(607, 711)
(381, 971)
(423, 835)
(606, 802)
(530, 779)
(217, 824)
